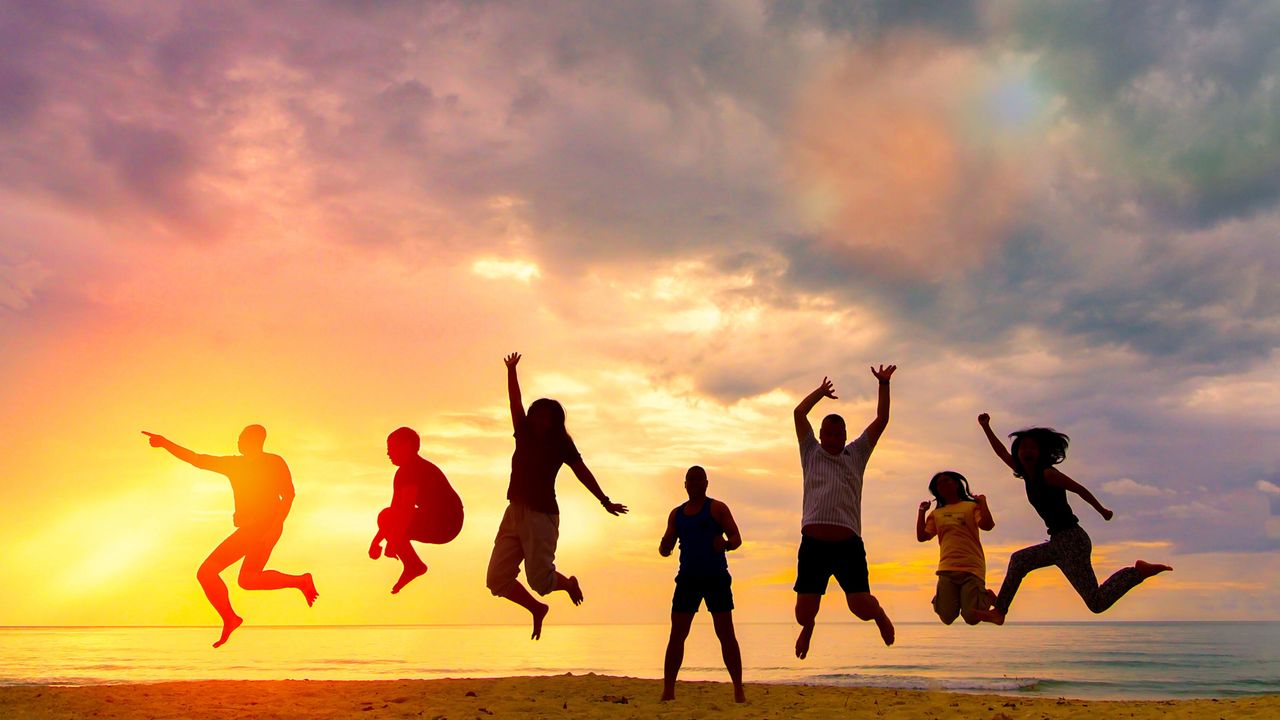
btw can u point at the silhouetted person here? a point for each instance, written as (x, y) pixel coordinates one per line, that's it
(962, 565)
(1036, 452)
(831, 532)
(424, 507)
(706, 531)
(263, 492)
(531, 524)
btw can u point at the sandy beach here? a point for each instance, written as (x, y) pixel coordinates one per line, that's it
(593, 696)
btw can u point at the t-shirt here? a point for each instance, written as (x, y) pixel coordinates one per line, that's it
(833, 483)
(434, 493)
(259, 484)
(956, 526)
(534, 467)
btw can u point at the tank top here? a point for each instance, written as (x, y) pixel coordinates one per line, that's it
(697, 532)
(1051, 504)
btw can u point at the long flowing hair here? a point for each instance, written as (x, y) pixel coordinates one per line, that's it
(962, 486)
(1053, 449)
(556, 431)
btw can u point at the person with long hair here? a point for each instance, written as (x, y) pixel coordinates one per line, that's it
(962, 566)
(530, 526)
(1035, 454)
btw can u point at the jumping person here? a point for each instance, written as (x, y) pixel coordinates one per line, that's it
(531, 524)
(962, 566)
(263, 493)
(424, 507)
(706, 531)
(831, 531)
(1035, 453)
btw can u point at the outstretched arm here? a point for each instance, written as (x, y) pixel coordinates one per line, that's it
(922, 531)
(996, 443)
(877, 426)
(588, 481)
(669, 537)
(987, 522)
(801, 413)
(732, 539)
(513, 390)
(204, 462)
(1057, 478)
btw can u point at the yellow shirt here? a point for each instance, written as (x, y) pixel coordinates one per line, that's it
(956, 526)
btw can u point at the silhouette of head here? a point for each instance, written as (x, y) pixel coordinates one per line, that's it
(546, 419)
(832, 435)
(252, 439)
(949, 487)
(402, 445)
(695, 482)
(1036, 449)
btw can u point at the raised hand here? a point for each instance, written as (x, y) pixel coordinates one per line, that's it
(511, 359)
(154, 439)
(828, 389)
(1106, 514)
(615, 508)
(924, 505)
(884, 373)
(984, 420)
(982, 499)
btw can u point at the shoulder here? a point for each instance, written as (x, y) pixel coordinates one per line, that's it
(719, 508)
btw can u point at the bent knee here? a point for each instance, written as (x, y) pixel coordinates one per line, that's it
(544, 585)
(970, 618)
(947, 618)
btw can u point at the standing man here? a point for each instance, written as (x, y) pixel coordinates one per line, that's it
(831, 533)
(706, 531)
(263, 492)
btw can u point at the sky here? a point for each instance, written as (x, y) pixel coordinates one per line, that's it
(335, 218)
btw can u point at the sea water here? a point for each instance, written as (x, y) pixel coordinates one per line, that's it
(1131, 660)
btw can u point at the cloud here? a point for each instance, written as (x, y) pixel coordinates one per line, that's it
(1131, 487)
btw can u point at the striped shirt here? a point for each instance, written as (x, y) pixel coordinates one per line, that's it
(833, 483)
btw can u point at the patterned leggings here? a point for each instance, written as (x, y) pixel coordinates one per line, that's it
(1071, 551)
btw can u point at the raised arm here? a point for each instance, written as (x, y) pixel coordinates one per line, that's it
(877, 426)
(669, 537)
(513, 390)
(922, 528)
(204, 462)
(1057, 478)
(801, 413)
(588, 481)
(997, 444)
(986, 522)
(732, 539)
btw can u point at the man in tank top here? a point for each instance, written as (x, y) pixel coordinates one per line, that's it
(706, 531)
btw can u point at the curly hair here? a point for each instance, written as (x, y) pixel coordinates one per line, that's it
(962, 486)
(1052, 444)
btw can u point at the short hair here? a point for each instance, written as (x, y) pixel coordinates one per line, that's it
(407, 437)
(835, 419)
(696, 473)
(254, 435)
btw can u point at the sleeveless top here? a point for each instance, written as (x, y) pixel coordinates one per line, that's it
(697, 532)
(1051, 505)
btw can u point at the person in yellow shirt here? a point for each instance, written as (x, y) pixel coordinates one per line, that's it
(962, 567)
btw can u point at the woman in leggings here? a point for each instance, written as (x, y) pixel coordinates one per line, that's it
(1035, 453)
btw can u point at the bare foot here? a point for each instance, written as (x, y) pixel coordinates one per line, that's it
(739, 694)
(886, 628)
(991, 599)
(1146, 569)
(574, 590)
(993, 616)
(802, 641)
(228, 627)
(538, 614)
(668, 694)
(309, 589)
(406, 577)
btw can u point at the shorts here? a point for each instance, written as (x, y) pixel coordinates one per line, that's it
(820, 559)
(958, 592)
(691, 590)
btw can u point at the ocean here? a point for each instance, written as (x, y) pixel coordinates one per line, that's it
(1094, 660)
